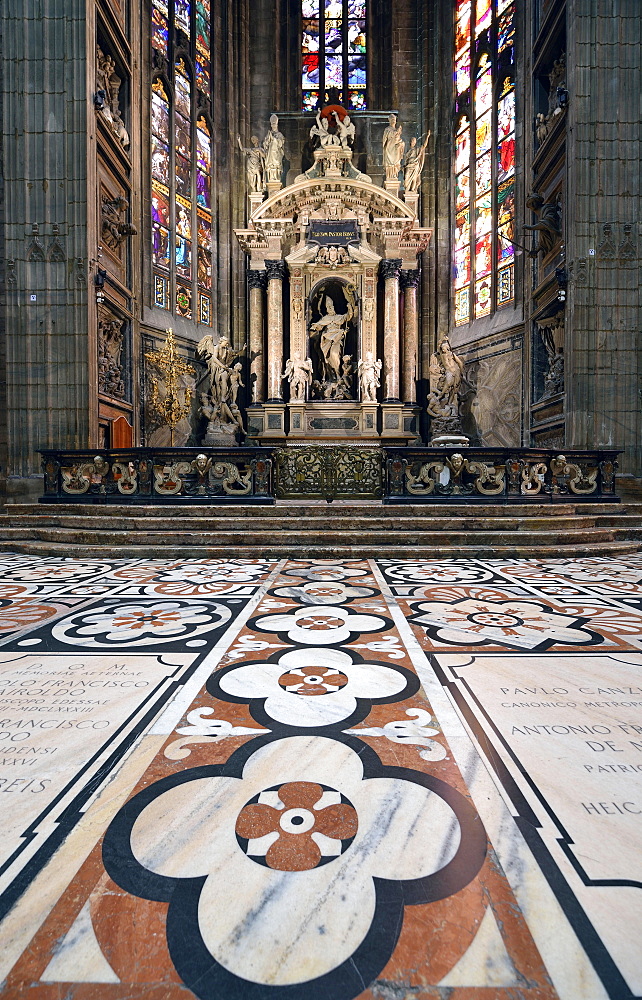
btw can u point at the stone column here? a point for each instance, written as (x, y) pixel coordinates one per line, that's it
(276, 271)
(389, 270)
(256, 281)
(410, 341)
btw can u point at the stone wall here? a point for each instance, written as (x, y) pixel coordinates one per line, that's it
(603, 339)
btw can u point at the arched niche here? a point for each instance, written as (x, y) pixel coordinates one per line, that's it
(333, 337)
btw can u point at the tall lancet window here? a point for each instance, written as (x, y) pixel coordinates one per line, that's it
(181, 158)
(484, 157)
(333, 53)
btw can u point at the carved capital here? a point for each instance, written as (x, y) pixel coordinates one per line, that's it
(275, 270)
(390, 268)
(410, 279)
(256, 279)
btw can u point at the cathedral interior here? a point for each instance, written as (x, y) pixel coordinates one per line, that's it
(321, 373)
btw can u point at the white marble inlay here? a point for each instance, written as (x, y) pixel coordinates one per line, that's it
(321, 624)
(486, 962)
(78, 958)
(574, 725)
(56, 712)
(322, 685)
(290, 926)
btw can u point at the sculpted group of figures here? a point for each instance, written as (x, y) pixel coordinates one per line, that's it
(264, 160)
(220, 407)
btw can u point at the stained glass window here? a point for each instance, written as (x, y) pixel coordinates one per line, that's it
(484, 157)
(333, 53)
(181, 158)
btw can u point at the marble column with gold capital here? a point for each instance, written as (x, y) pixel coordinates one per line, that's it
(276, 271)
(256, 281)
(410, 336)
(389, 270)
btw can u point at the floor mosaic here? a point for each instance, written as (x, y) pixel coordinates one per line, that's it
(246, 779)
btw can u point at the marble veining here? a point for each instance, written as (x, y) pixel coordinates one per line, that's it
(401, 778)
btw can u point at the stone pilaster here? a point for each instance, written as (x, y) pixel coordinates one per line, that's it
(276, 272)
(389, 271)
(256, 281)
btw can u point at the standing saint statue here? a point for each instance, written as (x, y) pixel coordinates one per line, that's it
(332, 328)
(393, 149)
(254, 164)
(299, 375)
(369, 371)
(414, 164)
(273, 147)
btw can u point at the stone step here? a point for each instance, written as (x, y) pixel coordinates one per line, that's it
(342, 509)
(444, 551)
(297, 538)
(328, 522)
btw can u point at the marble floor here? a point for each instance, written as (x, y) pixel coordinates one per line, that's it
(318, 780)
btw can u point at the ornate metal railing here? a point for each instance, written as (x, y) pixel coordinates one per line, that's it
(326, 472)
(159, 475)
(397, 475)
(501, 475)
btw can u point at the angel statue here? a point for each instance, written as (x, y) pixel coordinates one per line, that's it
(369, 371)
(414, 164)
(219, 359)
(299, 375)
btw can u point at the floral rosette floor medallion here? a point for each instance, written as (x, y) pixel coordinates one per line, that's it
(287, 869)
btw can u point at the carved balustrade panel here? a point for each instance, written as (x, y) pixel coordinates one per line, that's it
(159, 475)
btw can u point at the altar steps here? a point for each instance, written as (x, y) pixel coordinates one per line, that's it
(319, 530)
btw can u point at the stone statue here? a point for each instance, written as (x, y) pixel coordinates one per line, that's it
(225, 381)
(332, 328)
(254, 165)
(369, 372)
(393, 149)
(108, 87)
(325, 136)
(345, 130)
(446, 373)
(548, 225)
(414, 164)
(299, 375)
(273, 147)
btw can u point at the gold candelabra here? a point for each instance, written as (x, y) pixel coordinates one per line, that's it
(171, 408)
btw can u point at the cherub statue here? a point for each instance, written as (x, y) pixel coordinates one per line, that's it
(326, 137)
(299, 375)
(345, 130)
(369, 371)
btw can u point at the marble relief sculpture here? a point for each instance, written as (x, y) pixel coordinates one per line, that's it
(254, 164)
(298, 372)
(273, 148)
(414, 164)
(369, 371)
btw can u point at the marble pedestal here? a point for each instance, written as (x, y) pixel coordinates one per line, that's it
(393, 424)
